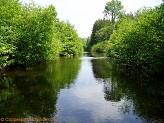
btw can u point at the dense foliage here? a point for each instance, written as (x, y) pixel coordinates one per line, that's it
(140, 41)
(71, 43)
(102, 47)
(102, 29)
(30, 34)
(8, 31)
(113, 11)
(97, 29)
(137, 39)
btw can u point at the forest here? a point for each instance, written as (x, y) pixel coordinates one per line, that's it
(130, 39)
(30, 34)
(44, 75)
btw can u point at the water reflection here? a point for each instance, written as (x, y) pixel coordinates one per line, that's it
(85, 102)
(33, 92)
(84, 90)
(143, 96)
(103, 72)
(147, 95)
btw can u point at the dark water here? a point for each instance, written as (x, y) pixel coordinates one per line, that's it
(80, 90)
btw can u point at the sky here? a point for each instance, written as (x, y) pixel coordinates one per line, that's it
(83, 13)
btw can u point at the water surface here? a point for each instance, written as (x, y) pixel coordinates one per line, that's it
(80, 90)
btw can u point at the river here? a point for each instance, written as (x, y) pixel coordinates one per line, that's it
(79, 90)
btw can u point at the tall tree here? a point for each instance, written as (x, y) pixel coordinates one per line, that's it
(98, 25)
(113, 11)
(30, 34)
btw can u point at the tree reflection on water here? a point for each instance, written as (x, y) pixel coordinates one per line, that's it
(144, 94)
(32, 92)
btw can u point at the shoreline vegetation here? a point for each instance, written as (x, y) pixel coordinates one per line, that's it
(30, 34)
(131, 39)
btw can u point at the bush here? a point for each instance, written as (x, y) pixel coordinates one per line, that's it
(71, 43)
(102, 47)
(30, 34)
(141, 41)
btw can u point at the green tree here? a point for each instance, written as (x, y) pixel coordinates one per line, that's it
(103, 34)
(37, 40)
(30, 34)
(88, 44)
(98, 25)
(71, 42)
(102, 47)
(140, 42)
(85, 42)
(130, 15)
(113, 11)
(10, 16)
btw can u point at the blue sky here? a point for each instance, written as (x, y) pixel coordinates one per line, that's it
(83, 13)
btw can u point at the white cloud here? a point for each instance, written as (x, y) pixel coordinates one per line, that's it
(133, 5)
(83, 13)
